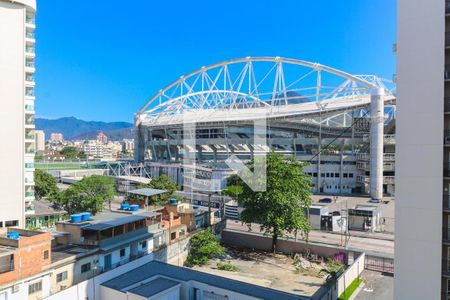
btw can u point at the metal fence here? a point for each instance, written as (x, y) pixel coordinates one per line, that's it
(380, 264)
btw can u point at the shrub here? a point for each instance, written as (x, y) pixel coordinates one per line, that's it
(227, 267)
(203, 247)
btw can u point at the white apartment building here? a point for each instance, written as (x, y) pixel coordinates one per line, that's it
(40, 140)
(56, 137)
(17, 56)
(422, 157)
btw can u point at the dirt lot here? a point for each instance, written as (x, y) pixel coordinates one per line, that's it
(276, 272)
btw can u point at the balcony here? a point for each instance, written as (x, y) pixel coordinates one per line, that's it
(386, 156)
(30, 35)
(29, 136)
(29, 194)
(29, 165)
(29, 92)
(446, 234)
(29, 78)
(29, 181)
(29, 64)
(29, 121)
(29, 107)
(30, 151)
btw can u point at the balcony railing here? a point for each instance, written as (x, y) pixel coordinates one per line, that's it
(29, 78)
(29, 121)
(29, 194)
(29, 92)
(30, 35)
(30, 20)
(29, 165)
(30, 151)
(29, 64)
(29, 50)
(29, 107)
(29, 136)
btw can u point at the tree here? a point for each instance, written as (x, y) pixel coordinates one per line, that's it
(162, 182)
(204, 246)
(70, 152)
(281, 208)
(45, 185)
(89, 194)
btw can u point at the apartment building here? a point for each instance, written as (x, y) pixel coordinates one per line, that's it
(102, 138)
(56, 137)
(40, 140)
(17, 24)
(422, 235)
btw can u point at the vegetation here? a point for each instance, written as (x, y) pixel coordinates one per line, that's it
(281, 208)
(162, 182)
(45, 185)
(227, 267)
(350, 289)
(204, 246)
(89, 194)
(72, 153)
(334, 268)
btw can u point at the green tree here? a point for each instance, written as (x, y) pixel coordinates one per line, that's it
(203, 246)
(234, 191)
(45, 185)
(70, 152)
(89, 194)
(281, 208)
(162, 182)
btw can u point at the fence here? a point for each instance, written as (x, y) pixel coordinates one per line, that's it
(380, 264)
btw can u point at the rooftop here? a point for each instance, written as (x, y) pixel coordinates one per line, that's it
(70, 251)
(263, 289)
(147, 192)
(44, 208)
(154, 287)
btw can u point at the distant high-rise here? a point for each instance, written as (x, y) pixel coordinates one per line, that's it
(102, 138)
(56, 137)
(17, 113)
(40, 140)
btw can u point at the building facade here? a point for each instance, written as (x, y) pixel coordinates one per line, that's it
(56, 137)
(40, 140)
(422, 201)
(17, 114)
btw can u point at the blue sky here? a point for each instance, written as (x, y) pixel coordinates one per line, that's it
(102, 60)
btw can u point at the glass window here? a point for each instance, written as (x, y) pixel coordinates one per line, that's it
(144, 244)
(85, 268)
(122, 252)
(35, 287)
(46, 254)
(61, 276)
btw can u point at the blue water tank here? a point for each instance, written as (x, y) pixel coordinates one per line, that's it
(134, 207)
(173, 201)
(85, 216)
(124, 206)
(13, 235)
(75, 218)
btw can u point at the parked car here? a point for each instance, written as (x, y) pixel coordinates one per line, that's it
(325, 200)
(375, 200)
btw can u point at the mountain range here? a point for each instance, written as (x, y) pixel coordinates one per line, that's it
(73, 128)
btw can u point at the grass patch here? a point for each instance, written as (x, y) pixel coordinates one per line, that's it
(227, 267)
(350, 289)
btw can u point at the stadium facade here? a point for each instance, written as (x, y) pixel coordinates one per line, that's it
(342, 125)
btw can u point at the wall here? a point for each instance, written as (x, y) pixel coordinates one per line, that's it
(350, 274)
(419, 149)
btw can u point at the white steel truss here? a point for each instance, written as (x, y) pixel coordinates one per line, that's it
(274, 87)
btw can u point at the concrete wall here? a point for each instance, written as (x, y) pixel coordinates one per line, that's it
(419, 149)
(350, 274)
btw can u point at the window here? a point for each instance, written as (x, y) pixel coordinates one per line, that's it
(173, 235)
(328, 174)
(345, 175)
(336, 175)
(144, 244)
(61, 276)
(11, 223)
(85, 268)
(122, 252)
(34, 287)
(350, 175)
(46, 254)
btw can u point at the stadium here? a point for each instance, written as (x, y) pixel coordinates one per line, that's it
(343, 125)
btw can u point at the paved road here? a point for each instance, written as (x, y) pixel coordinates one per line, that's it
(374, 245)
(382, 286)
